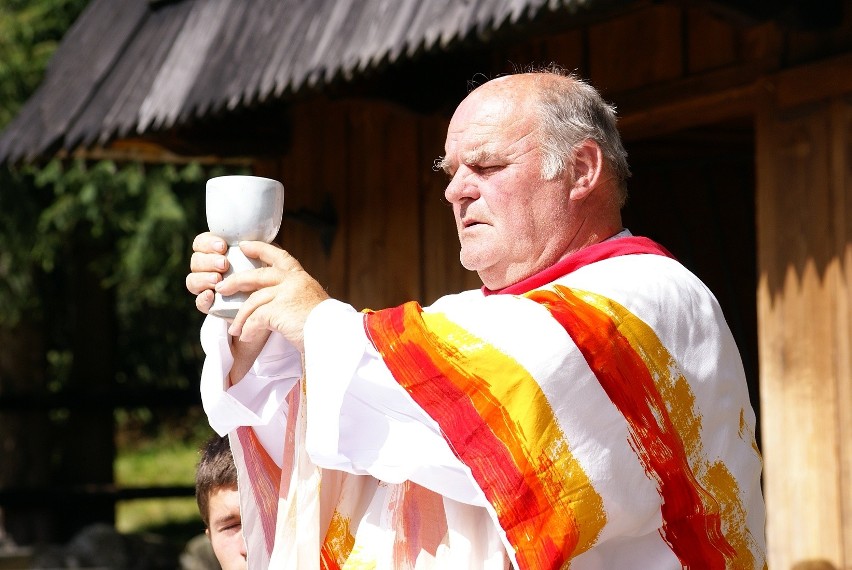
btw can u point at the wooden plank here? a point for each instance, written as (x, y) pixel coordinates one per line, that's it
(841, 180)
(653, 39)
(763, 43)
(798, 299)
(569, 50)
(812, 82)
(565, 49)
(701, 108)
(384, 238)
(335, 193)
(806, 43)
(717, 243)
(133, 149)
(312, 188)
(699, 96)
(711, 42)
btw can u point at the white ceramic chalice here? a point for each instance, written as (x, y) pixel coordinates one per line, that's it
(242, 208)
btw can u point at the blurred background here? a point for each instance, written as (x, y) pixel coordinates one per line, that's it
(735, 114)
(100, 417)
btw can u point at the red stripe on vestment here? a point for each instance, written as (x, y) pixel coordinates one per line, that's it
(691, 529)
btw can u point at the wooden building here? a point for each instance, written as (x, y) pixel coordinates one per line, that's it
(737, 117)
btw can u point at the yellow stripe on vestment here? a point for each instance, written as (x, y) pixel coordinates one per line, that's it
(512, 404)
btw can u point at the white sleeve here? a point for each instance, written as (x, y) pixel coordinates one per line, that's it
(360, 420)
(258, 400)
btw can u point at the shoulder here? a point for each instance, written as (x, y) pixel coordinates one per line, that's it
(652, 277)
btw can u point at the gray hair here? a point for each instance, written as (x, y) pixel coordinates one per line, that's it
(571, 112)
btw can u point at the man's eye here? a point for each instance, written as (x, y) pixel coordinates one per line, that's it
(487, 168)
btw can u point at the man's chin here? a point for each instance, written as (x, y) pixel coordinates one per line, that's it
(474, 261)
(491, 277)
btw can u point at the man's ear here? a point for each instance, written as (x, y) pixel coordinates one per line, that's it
(207, 532)
(587, 167)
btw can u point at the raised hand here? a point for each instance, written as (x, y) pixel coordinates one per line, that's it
(282, 293)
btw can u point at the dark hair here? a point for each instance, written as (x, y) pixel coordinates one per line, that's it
(215, 470)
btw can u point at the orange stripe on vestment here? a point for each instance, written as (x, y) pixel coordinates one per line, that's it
(500, 424)
(338, 543)
(641, 378)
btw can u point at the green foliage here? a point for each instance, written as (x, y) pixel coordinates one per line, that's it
(147, 214)
(139, 222)
(29, 33)
(122, 232)
(19, 211)
(128, 225)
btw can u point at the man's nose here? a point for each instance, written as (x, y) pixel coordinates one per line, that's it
(461, 186)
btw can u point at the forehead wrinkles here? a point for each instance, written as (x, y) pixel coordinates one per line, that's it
(489, 130)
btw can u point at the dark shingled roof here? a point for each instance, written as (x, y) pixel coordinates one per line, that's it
(133, 66)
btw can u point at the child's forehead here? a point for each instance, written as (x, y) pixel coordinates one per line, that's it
(223, 499)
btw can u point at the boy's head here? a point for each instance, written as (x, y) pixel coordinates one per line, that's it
(219, 504)
(216, 469)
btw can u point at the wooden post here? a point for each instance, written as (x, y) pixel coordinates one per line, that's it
(804, 221)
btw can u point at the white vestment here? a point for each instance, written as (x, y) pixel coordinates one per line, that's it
(497, 431)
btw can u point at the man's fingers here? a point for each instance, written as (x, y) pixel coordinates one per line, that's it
(258, 323)
(247, 312)
(251, 280)
(204, 301)
(197, 283)
(208, 262)
(270, 255)
(209, 243)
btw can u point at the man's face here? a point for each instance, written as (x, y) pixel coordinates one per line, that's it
(226, 529)
(511, 223)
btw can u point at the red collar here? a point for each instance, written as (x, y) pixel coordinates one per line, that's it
(604, 250)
